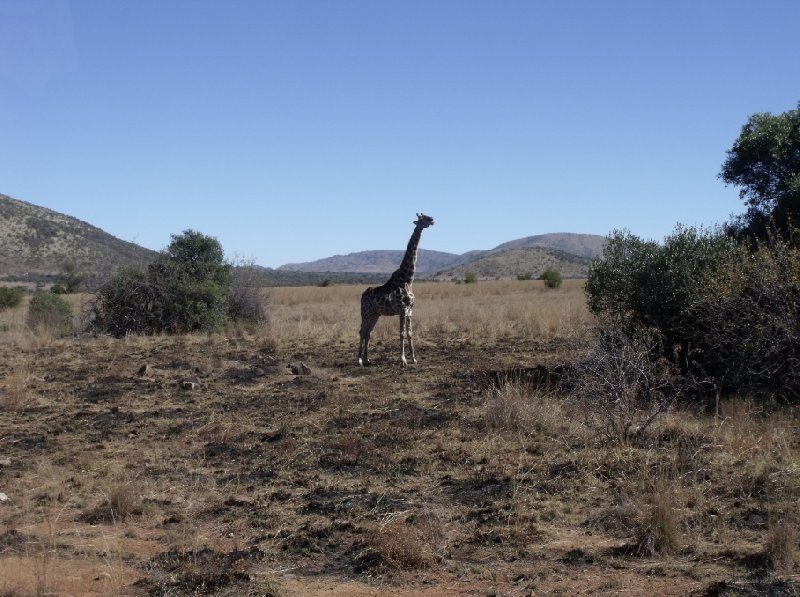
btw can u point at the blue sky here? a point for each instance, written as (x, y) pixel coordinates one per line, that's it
(297, 130)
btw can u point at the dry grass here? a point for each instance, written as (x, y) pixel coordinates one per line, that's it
(464, 474)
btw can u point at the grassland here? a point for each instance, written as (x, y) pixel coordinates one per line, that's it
(465, 474)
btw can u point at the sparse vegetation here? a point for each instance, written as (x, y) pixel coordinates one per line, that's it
(466, 473)
(470, 278)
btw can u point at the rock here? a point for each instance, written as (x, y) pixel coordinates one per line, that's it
(189, 385)
(4, 498)
(300, 368)
(144, 369)
(5, 462)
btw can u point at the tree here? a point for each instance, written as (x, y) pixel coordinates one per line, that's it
(765, 163)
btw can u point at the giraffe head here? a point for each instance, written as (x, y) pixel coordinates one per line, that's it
(424, 221)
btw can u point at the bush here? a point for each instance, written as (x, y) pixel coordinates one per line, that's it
(552, 278)
(189, 287)
(622, 382)
(51, 312)
(58, 289)
(10, 297)
(246, 302)
(470, 278)
(641, 284)
(525, 276)
(749, 331)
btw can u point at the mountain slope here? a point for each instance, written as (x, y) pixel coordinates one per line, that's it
(375, 262)
(510, 263)
(36, 242)
(583, 245)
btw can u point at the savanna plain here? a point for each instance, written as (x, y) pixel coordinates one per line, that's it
(220, 465)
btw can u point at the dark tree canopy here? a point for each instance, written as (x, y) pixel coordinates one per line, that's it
(765, 163)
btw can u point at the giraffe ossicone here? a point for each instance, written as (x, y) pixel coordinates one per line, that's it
(393, 298)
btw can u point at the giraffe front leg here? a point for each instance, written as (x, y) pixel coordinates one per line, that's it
(403, 320)
(410, 335)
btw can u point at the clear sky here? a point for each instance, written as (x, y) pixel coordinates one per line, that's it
(300, 129)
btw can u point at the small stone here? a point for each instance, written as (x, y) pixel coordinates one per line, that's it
(190, 385)
(4, 498)
(300, 368)
(5, 462)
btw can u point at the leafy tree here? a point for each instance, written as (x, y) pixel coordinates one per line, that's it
(470, 278)
(765, 163)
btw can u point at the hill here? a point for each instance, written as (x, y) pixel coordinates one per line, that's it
(510, 263)
(36, 243)
(583, 245)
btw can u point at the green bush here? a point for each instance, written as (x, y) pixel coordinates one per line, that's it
(470, 278)
(644, 284)
(552, 278)
(10, 297)
(189, 287)
(58, 289)
(50, 311)
(526, 276)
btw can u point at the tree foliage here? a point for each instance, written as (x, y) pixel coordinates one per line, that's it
(764, 163)
(188, 287)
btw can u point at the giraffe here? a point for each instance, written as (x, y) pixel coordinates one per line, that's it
(393, 298)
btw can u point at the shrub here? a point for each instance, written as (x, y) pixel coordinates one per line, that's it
(50, 311)
(246, 302)
(748, 330)
(10, 297)
(622, 382)
(470, 278)
(525, 276)
(189, 287)
(58, 289)
(645, 285)
(552, 278)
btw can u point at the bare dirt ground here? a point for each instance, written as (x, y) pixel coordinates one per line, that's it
(203, 465)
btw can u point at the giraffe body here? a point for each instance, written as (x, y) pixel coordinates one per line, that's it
(393, 298)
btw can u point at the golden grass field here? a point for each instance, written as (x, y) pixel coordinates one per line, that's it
(455, 476)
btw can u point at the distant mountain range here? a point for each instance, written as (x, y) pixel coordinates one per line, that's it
(567, 252)
(36, 243)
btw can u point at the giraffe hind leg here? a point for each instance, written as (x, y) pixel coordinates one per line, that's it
(367, 325)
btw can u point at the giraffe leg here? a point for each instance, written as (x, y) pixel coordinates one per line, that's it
(410, 335)
(367, 325)
(403, 320)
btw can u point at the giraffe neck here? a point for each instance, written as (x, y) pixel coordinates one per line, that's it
(405, 273)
